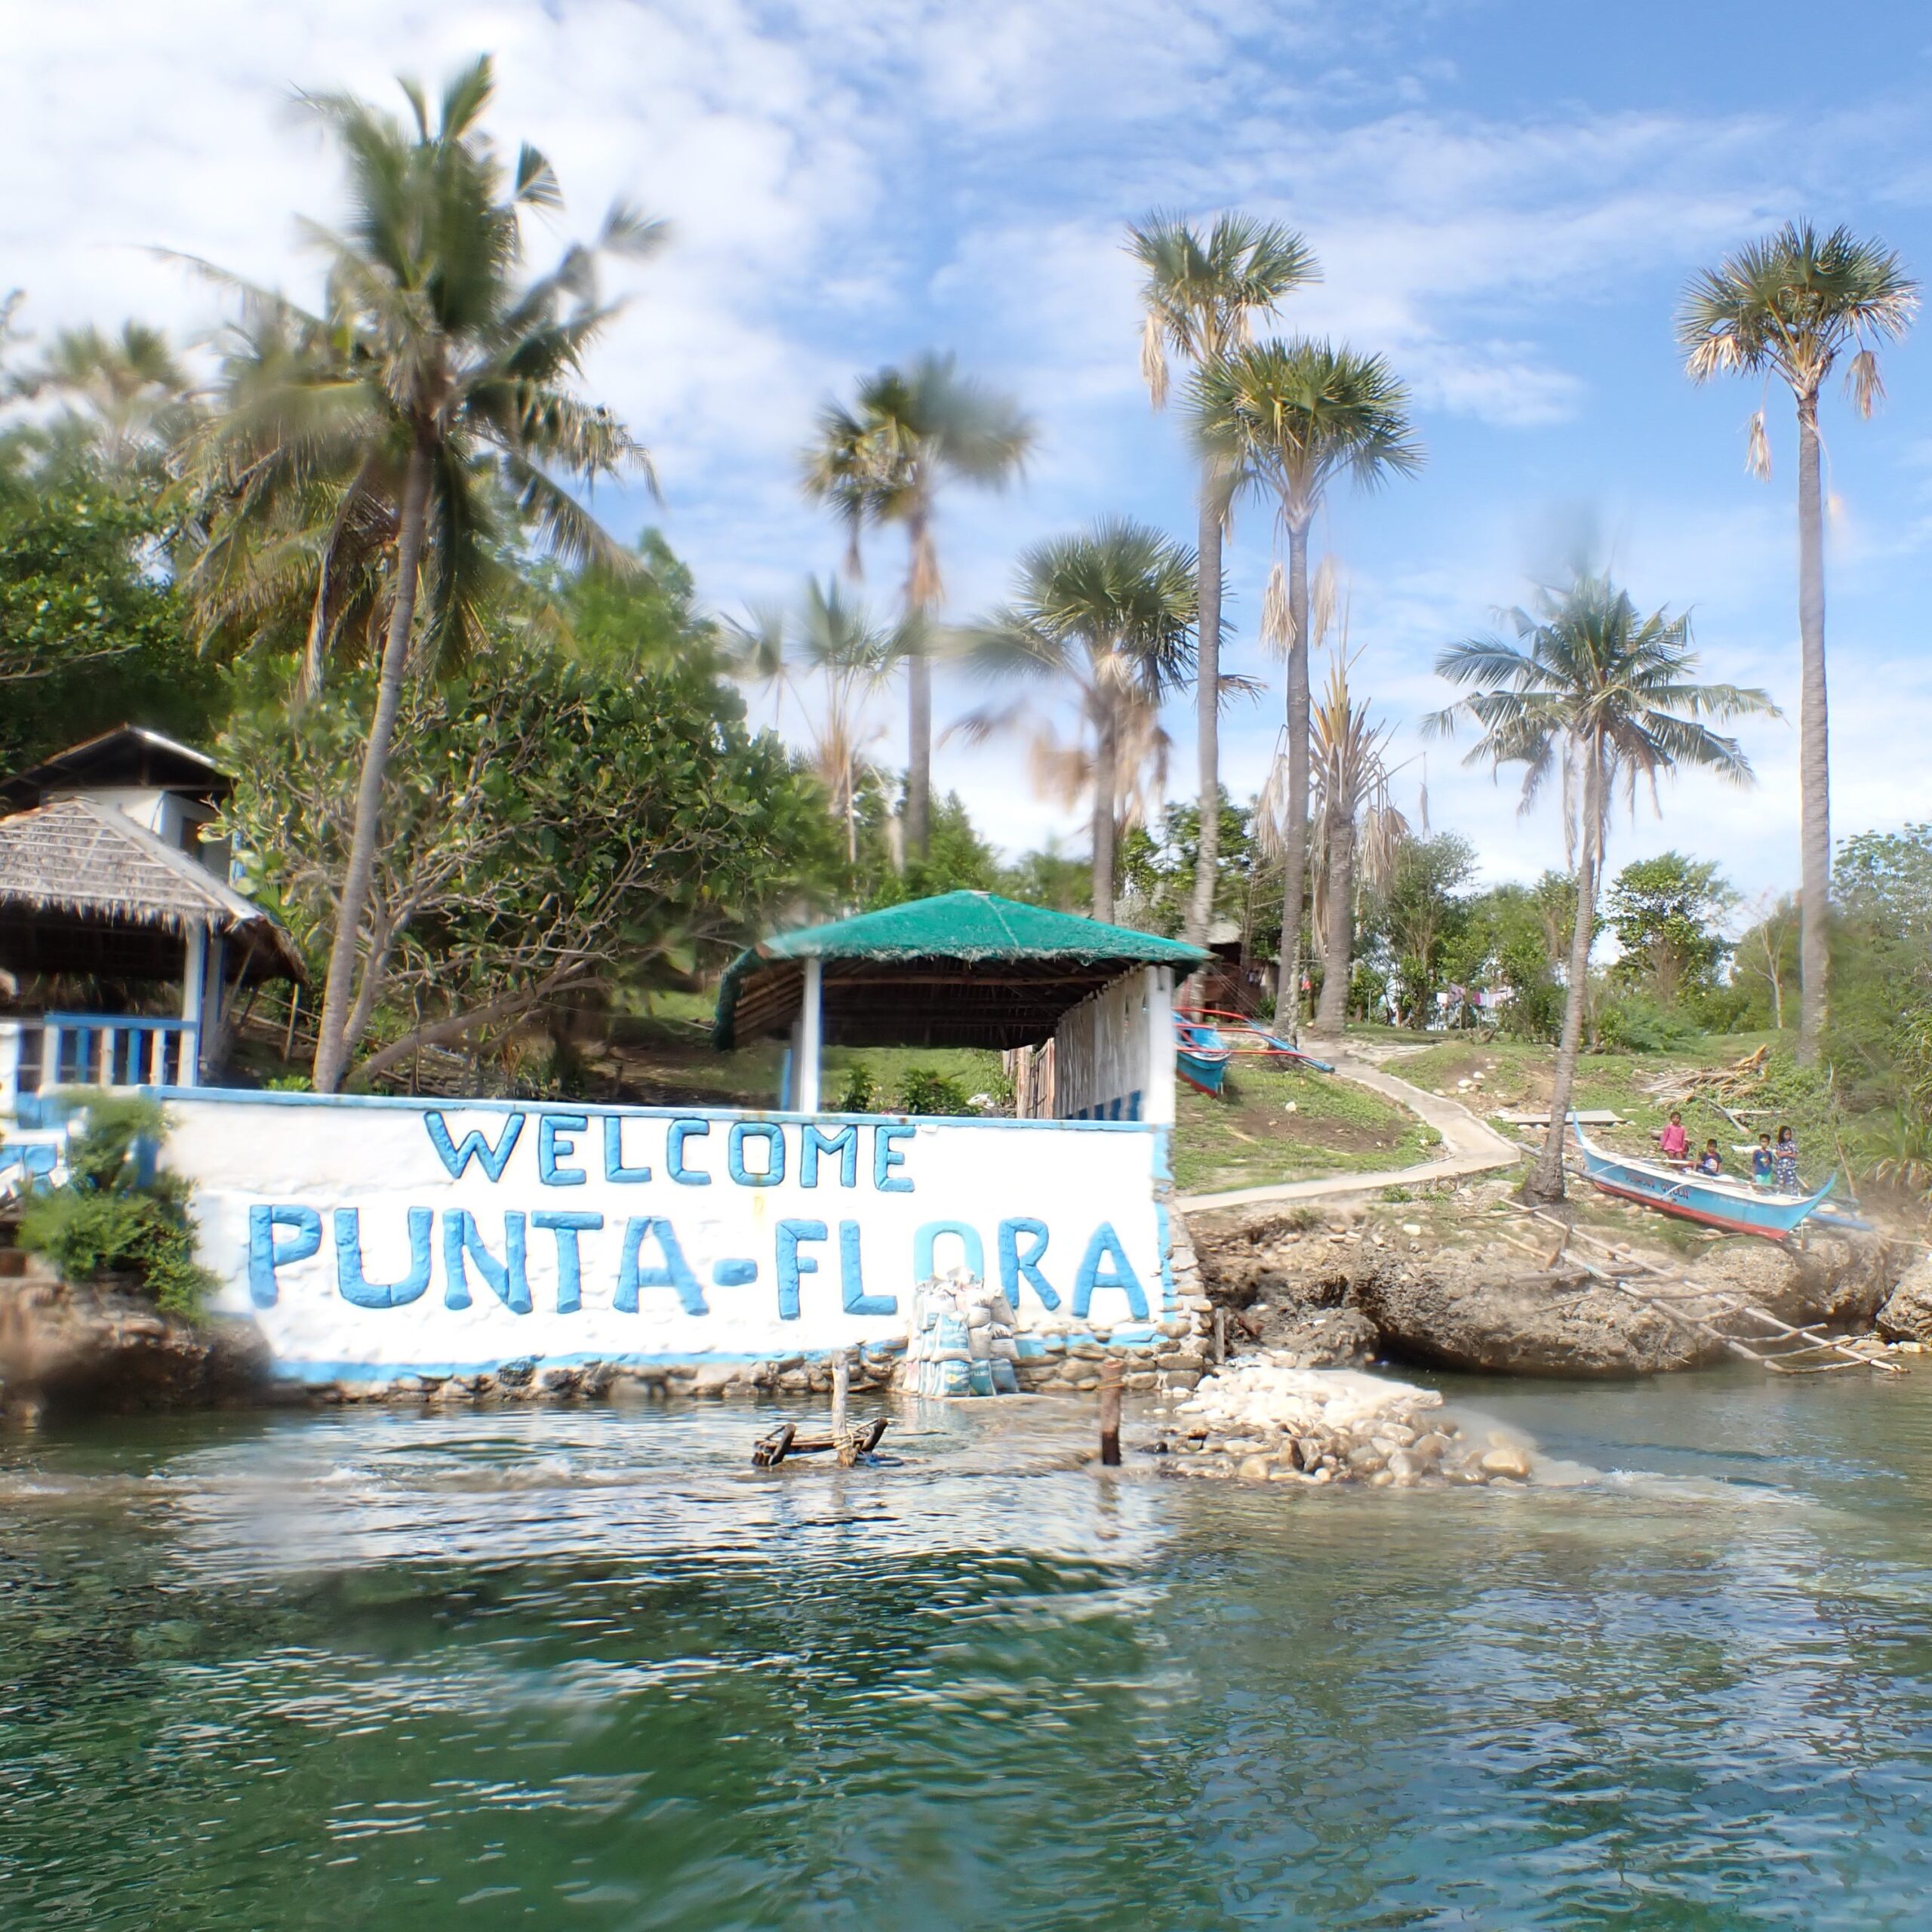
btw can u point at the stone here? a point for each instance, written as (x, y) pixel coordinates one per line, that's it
(1404, 1469)
(1906, 1315)
(1511, 1461)
(1254, 1469)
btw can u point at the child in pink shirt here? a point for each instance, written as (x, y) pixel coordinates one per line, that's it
(1674, 1142)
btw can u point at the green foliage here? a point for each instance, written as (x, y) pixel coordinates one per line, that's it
(859, 1094)
(1157, 867)
(924, 1090)
(91, 632)
(1411, 923)
(548, 824)
(957, 858)
(106, 1219)
(1665, 911)
(1882, 963)
(1638, 1023)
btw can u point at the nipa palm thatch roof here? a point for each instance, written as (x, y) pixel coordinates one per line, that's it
(964, 969)
(79, 865)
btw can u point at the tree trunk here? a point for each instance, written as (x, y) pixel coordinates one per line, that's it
(1337, 961)
(1546, 1181)
(1104, 761)
(1287, 999)
(331, 1040)
(1813, 752)
(918, 752)
(1208, 698)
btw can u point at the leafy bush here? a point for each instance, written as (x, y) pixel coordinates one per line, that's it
(1639, 1025)
(926, 1091)
(108, 1217)
(859, 1094)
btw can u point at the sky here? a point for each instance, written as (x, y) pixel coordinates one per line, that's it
(1506, 198)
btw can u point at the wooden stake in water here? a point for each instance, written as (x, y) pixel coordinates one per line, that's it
(1110, 1377)
(842, 1382)
(1220, 1337)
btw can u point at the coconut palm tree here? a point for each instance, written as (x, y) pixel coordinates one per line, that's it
(435, 388)
(883, 461)
(1110, 615)
(1587, 686)
(127, 398)
(1790, 306)
(1286, 419)
(1200, 295)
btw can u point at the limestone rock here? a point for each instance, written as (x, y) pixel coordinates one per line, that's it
(1907, 1314)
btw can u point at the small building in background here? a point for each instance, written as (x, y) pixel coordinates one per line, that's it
(122, 944)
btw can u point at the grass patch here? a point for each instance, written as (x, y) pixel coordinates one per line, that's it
(1246, 1136)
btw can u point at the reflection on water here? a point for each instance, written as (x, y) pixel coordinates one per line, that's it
(587, 1669)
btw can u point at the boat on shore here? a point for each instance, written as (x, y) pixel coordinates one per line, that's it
(1201, 1055)
(1714, 1201)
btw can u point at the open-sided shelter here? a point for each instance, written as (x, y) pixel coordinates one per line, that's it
(970, 969)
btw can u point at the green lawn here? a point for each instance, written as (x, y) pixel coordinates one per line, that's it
(1246, 1136)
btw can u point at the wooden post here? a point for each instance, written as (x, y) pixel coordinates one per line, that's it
(842, 1382)
(1110, 1379)
(1220, 1337)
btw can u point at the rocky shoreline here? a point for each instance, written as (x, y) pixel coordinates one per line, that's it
(1263, 1419)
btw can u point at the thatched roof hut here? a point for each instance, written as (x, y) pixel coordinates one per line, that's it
(85, 889)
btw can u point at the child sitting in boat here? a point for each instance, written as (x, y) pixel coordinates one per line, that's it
(1763, 1162)
(1786, 1162)
(1710, 1162)
(1673, 1142)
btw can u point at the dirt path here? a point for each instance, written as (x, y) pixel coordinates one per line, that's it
(1469, 1146)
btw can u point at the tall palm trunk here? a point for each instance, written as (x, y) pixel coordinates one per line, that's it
(1813, 750)
(1288, 998)
(1545, 1183)
(1207, 693)
(1106, 763)
(332, 1032)
(1338, 946)
(918, 752)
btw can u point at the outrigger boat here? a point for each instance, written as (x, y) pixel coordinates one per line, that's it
(1201, 1055)
(1711, 1199)
(1243, 1038)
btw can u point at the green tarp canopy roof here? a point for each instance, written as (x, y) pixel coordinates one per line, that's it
(965, 969)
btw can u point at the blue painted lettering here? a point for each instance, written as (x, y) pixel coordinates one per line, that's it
(971, 1253)
(570, 1258)
(772, 1135)
(851, 1281)
(556, 1141)
(354, 1286)
(814, 1141)
(266, 1254)
(463, 1248)
(734, 1274)
(1016, 1267)
(674, 1273)
(614, 1169)
(456, 1156)
(792, 1264)
(682, 1130)
(1106, 1247)
(886, 1156)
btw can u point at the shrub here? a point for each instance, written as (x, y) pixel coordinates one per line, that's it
(111, 1217)
(859, 1094)
(1637, 1024)
(926, 1091)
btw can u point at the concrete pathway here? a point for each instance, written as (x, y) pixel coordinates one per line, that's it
(1469, 1146)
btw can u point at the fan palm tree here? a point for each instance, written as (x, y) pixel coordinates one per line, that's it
(1200, 295)
(1110, 615)
(1286, 419)
(883, 461)
(1588, 686)
(1790, 306)
(435, 389)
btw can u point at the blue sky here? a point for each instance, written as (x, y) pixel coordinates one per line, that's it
(1506, 199)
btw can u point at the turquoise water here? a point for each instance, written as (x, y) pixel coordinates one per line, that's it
(587, 1669)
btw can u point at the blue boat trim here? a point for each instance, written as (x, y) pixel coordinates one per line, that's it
(1715, 1203)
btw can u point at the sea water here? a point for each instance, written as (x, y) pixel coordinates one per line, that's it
(587, 1669)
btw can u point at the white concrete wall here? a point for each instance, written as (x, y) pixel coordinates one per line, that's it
(370, 1239)
(1113, 1054)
